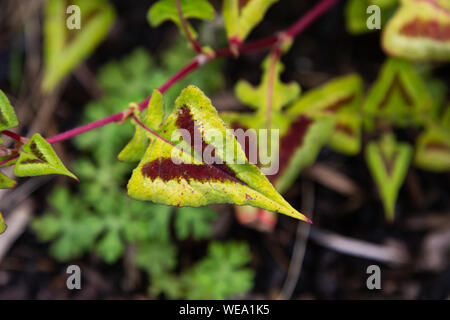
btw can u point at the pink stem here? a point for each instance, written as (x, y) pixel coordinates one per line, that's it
(293, 31)
(12, 135)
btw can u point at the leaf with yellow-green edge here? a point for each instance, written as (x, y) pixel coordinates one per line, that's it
(8, 118)
(433, 145)
(164, 10)
(2, 224)
(37, 158)
(342, 98)
(242, 16)
(388, 162)
(420, 30)
(6, 183)
(356, 14)
(153, 117)
(398, 96)
(65, 49)
(256, 98)
(175, 171)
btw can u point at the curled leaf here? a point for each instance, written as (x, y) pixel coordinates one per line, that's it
(37, 158)
(172, 173)
(388, 162)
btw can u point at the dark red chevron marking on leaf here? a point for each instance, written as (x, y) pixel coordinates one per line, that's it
(36, 151)
(426, 29)
(187, 122)
(247, 143)
(291, 141)
(345, 129)
(166, 170)
(437, 146)
(340, 103)
(396, 85)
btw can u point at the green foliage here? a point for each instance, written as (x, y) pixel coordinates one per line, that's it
(37, 158)
(399, 96)
(8, 118)
(2, 224)
(241, 17)
(419, 31)
(6, 183)
(388, 162)
(164, 10)
(356, 14)
(100, 218)
(65, 49)
(193, 182)
(221, 274)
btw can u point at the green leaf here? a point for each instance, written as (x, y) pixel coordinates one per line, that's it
(8, 118)
(356, 14)
(195, 222)
(110, 247)
(221, 274)
(398, 96)
(300, 147)
(156, 257)
(419, 31)
(37, 158)
(433, 145)
(388, 162)
(242, 16)
(341, 98)
(6, 183)
(193, 182)
(256, 98)
(2, 224)
(154, 115)
(70, 225)
(164, 10)
(65, 49)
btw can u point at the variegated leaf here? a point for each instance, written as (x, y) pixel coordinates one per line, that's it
(2, 224)
(420, 30)
(342, 98)
(433, 145)
(65, 49)
(37, 158)
(194, 182)
(398, 96)
(388, 162)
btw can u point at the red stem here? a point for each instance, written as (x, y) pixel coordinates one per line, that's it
(291, 32)
(184, 24)
(12, 135)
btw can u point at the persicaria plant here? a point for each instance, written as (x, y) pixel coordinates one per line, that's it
(187, 154)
